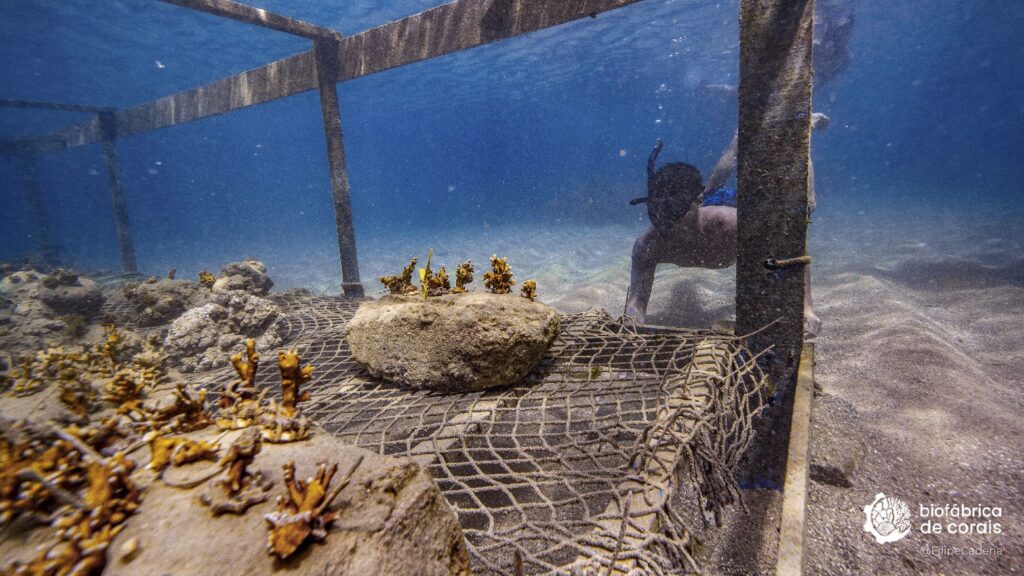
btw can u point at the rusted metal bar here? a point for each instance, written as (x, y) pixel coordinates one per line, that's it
(81, 134)
(792, 527)
(9, 103)
(285, 77)
(773, 172)
(33, 145)
(459, 25)
(36, 207)
(108, 126)
(292, 75)
(326, 63)
(779, 263)
(257, 16)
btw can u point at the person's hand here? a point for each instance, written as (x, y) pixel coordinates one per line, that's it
(658, 145)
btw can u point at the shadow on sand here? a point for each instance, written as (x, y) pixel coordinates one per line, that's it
(685, 308)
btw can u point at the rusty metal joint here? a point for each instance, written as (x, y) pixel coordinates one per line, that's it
(779, 263)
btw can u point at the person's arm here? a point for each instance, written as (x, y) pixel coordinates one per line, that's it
(727, 161)
(724, 168)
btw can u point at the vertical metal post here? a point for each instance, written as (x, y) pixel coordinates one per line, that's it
(773, 174)
(37, 210)
(108, 129)
(327, 66)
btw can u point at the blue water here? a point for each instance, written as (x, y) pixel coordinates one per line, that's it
(551, 127)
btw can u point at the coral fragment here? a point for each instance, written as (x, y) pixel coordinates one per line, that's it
(499, 279)
(463, 276)
(241, 489)
(402, 283)
(529, 290)
(302, 513)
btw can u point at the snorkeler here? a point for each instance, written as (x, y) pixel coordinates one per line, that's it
(693, 225)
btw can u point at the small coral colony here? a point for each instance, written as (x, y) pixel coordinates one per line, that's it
(79, 479)
(498, 279)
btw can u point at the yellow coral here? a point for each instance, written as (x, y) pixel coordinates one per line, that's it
(303, 514)
(178, 451)
(438, 284)
(402, 283)
(284, 422)
(77, 395)
(293, 376)
(240, 403)
(463, 276)
(529, 290)
(499, 279)
(207, 279)
(110, 351)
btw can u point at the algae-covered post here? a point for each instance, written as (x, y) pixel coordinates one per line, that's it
(773, 172)
(108, 129)
(326, 52)
(37, 210)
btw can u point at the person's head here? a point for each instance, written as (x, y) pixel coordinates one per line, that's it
(671, 192)
(678, 179)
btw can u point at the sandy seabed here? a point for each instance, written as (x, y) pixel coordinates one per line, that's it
(923, 311)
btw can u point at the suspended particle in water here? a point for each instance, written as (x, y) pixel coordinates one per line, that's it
(160, 64)
(623, 153)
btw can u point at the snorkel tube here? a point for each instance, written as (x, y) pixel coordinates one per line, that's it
(651, 161)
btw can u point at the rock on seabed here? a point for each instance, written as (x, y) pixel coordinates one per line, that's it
(392, 520)
(201, 338)
(452, 343)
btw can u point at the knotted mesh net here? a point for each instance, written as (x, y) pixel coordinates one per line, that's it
(573, 470)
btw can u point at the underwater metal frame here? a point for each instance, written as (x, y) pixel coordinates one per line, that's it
(774, 126)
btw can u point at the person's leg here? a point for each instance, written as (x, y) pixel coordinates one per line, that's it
(812, 324)
(812, 196)
(641, 275)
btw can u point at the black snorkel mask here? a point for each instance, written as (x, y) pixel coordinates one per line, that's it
(670, 190)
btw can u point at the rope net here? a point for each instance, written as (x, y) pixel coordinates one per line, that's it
(572, 471)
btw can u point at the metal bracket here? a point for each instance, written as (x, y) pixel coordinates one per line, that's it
(776, 264)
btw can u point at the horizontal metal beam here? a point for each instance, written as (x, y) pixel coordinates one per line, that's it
(33, 145)
(458, 26)
(452, 27)
(291, 75)
(9, 103)
(87, 132)
(257, 16)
